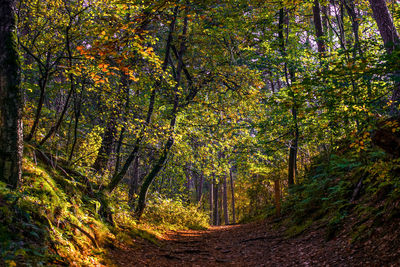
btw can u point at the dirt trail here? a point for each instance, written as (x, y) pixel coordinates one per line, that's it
(243, 245)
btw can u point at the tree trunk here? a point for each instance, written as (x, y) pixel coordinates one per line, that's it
(106, 145)
(385, 24)
(188, 179)
(42, 85)
(11, 135)
(391, 41)
(325, 14)
(118, 150)
(55, 128)
(293, 146)
(225, 201)
(215, 208)
(277, 191)
(77, 111)
(150, 177)
(211, 192)
(157, 167)
(220, 204)
(199, 191)
(293, 151)
(351, 10)
(233, 197)
(134, 182)
(318, 28)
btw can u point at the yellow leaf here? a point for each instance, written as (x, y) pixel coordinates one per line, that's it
(11, 263)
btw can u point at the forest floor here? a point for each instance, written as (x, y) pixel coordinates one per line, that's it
(256, 244)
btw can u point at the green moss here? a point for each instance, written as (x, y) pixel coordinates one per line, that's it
(296, 230)
(47, 221)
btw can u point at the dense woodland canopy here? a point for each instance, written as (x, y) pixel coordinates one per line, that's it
(231, 108)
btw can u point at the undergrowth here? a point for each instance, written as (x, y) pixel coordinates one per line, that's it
(344, 185)
(49, 221)
(173, 214)
(53, 220)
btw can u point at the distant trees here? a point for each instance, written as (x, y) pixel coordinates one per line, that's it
(11, 143)
(170, 96)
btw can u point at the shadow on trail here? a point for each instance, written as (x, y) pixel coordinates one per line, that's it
(254, 244)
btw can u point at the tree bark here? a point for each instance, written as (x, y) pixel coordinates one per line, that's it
(220, 204)
(134, 182)
(318, 28)
(292, 164)
(293, 152)
(391, 41)
(77, 111)
(385, 24)
(150, 177)
(277, 194)
(199, 191)
(11, 135)
(118, 151)
(233, 197)
(215, 208)
(188, 179)
(225, 201)
(211, 192)
(106, 145)
(351, 10)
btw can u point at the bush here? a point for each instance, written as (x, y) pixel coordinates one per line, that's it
(172, 214)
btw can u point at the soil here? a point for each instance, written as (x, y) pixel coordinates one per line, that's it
(256, 244)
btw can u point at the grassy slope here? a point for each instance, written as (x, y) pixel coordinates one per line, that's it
(53, 220)
(351, 194)
(49, 221)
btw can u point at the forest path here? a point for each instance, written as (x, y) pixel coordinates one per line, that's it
(239, 245)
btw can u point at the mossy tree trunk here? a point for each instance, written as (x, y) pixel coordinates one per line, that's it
(11, 139)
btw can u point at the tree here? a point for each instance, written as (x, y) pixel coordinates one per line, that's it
(232, 196)
(170, 141)
(385, 24)
(118, 176)
(318, 27)
(216, 219)
(390, 38)
(225, 200)
(11, 136)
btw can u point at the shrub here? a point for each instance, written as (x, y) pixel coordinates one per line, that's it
(172, 214)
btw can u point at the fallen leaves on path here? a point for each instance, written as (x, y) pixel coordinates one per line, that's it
(256, 244)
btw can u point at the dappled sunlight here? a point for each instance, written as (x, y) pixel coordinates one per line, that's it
(199, 133)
